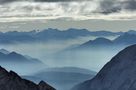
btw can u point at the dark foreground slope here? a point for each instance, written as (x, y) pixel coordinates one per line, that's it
(118, 74)
(12, 81)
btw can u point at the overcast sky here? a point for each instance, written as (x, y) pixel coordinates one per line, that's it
(114, 15)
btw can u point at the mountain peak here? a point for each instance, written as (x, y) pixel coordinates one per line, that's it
(13, 53)
(43, 86)
(102, 39)
(42, 83)
(4, 51)
(52, 30)
(97, 42)
(3, 71)
(14, 75)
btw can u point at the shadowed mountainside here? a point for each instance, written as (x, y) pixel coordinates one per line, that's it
(12, 81)
(118, 74)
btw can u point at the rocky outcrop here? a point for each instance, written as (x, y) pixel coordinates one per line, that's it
(118, 74)
(12, 81)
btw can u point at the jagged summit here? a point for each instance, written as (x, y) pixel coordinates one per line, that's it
(3, 72)
(118, 74)
(12, 81)
(44, 86)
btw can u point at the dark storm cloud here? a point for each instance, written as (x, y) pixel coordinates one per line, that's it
(130, 5)
(8, 1)
(58, 0)
(115, 6)
(109, 6)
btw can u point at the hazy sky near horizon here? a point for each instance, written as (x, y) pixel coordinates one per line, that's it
(26, 15)
(92, 25)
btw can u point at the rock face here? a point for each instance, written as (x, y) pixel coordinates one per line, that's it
(12, 81)
(118, 74)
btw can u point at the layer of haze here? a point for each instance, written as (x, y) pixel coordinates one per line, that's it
(62, 24)
(47, 52)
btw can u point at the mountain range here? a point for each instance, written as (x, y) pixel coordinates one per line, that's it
(14, 60)
(13, 37)
(123, 40)
(117, 74)
(12, 81)
(4, 51)
(14, 57)
(50, 34)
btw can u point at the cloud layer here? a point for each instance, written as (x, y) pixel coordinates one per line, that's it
(9, 1)
(113, 6)
(77, 9)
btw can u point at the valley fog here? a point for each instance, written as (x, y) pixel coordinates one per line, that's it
(50, 53)
(61, 63)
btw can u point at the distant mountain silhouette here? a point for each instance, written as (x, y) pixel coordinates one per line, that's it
(131, 32)
(14, 61)
(96, 43)
(105, 33)
(54, 34)
(14, 37)
(6, 56)
(4, 51)
(118, 74)
(101, 42)
(126, 39)
(50, 34)
(70, 69)
(12, 81)
(63, 78)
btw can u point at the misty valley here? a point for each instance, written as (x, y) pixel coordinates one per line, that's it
(67, 44)
(62, 59)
